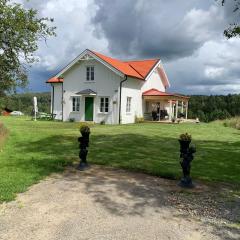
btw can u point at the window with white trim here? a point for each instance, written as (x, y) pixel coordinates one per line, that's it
(104, 104)
(76, 104)
(128, 104)
(90, 73)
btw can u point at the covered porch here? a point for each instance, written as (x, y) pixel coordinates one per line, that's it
(164, 107)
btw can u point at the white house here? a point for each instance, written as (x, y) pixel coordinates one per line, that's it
(97, 88)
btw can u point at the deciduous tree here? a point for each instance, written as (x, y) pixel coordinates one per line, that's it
(20, 31)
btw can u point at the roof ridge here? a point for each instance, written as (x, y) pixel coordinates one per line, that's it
(151, 90)
(142, 60)
(106, 56)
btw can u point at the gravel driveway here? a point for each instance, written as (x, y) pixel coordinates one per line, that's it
(104, 204)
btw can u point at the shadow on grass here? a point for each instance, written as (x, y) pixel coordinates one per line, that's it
(48, 154)
(156, 155)
(26, 162)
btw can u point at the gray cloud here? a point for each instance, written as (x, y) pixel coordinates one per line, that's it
(187, 35)
(157, 28)
(214, 70)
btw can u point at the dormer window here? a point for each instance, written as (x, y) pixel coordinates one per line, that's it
(90, 73)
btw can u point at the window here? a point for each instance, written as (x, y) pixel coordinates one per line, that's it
(104, 104)
(76, 104)
(128, 105)
(90, 73)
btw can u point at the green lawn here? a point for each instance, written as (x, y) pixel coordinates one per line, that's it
(36, 149)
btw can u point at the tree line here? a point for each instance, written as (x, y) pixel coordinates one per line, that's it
(206, 108)
(24, 102)
(214, 107)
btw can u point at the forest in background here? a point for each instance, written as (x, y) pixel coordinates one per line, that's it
(214, 107)
(24, 102)
(206, 108)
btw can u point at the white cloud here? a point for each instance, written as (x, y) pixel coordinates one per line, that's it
(213, 69)
(203, 25)
(74, 30)
(214, 72)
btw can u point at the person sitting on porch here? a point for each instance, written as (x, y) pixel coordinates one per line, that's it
(154, 116)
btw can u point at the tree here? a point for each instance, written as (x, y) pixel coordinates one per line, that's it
(234, 29)
(20, 31)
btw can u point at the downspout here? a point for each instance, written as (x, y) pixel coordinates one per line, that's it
(120, 98)
(62, 101)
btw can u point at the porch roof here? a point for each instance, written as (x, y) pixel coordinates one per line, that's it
(55, 80)
(156, 94)
(86, 92)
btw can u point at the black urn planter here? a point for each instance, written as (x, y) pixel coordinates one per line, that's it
(83, 145)
(186, 157)
(184, 145)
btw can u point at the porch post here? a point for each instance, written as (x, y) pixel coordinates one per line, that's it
(186, 109)
(176, 110)
(159, 117)
(182, 108)
(170, 110)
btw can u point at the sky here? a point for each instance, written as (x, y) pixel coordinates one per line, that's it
(186, 35)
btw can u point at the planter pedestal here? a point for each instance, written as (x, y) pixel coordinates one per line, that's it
(186, 157)
(84, 143)
(186, 182)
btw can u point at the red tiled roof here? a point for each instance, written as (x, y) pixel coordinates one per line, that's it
(143, 67)
(55, 80)
(155, 92)
(137, 69)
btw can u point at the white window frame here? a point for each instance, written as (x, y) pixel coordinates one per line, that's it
(76, 104)
(90, 73)
(128, 105)
(106, 104)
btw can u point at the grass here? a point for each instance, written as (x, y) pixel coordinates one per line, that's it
(33, 150)
(233, 122)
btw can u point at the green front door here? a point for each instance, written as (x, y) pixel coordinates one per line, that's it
(88, 108)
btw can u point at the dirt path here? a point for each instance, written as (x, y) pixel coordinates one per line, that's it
(103, 204)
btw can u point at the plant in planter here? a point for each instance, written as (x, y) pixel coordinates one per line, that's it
(84, 144)
(186, 157)
(173, 120)
(185, 137)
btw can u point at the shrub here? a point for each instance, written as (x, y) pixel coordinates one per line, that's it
(71, 119)
(219, 115)
(139, 119)
(232, 122)
(201, 116)
(102, 122)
